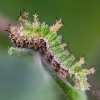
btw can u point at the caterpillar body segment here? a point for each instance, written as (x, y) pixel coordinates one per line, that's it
(41, 37)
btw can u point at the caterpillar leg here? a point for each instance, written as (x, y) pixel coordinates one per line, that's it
(49, 56)
(63, 72)
(55, 65)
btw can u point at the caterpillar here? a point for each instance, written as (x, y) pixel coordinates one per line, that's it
(41, 37)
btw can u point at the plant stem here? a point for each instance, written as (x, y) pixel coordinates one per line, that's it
(70, 92)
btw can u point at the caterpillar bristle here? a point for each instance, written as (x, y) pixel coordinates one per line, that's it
(23, 9)
(16, 19)
(41, 37)
(59, 37)
(20, 13)
(9, 24)
(8, 28)
(56, 17)
(17, 16)
(64, 45)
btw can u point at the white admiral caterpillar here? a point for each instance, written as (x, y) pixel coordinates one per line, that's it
(41, 37)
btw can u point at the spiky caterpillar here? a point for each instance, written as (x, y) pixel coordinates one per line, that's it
(41, 37)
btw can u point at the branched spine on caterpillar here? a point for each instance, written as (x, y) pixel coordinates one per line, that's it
(41, 37)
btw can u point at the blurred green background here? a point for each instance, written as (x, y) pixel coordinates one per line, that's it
(19, 79)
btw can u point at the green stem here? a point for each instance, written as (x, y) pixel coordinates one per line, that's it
(70, 92)
(19, 52)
